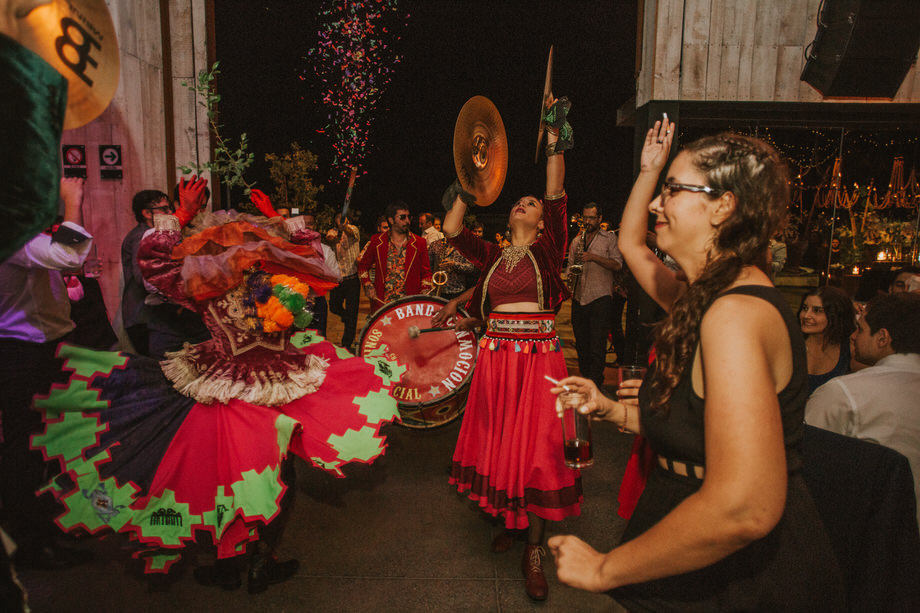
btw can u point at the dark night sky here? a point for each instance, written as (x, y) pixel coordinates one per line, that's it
(452, 50)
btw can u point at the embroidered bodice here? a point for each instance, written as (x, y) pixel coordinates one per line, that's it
(205, 271)
(517, 285)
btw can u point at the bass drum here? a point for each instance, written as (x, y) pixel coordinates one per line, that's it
(439, 364)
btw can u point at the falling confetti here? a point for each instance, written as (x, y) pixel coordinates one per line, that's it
(354, 58)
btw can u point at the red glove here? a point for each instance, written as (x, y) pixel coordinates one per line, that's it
(262, 202)
(191, 198)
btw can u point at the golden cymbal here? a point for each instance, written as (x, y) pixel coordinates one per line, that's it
(547, 90)
(77, 37)
(481, 150)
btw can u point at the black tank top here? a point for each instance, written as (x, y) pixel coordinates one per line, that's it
(679, 435)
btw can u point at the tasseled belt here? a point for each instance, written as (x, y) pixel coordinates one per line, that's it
(521, 332)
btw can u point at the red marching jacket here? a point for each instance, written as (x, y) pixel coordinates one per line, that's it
(418, 269)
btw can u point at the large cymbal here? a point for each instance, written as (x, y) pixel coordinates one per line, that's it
(547, 90)
(481, 150)
(77, 37)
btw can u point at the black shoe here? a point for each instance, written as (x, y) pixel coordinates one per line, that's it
(225, 573)
(51, 557)
(266, 570)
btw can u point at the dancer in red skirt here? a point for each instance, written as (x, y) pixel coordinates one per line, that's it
(509, 454)
(203, 442)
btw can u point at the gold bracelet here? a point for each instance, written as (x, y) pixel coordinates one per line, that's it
(625, 418)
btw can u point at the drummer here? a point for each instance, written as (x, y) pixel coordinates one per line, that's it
(509, 454)
(395, 262)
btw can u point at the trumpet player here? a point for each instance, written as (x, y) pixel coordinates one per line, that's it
(593, 258)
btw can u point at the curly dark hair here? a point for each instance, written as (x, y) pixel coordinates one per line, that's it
(144, 199)
(900, 315)
(393, 207)
(841, 316)
(758, 178)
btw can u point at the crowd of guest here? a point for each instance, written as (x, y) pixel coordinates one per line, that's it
(863, 358)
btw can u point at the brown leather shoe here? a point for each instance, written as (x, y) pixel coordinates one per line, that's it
(504, 541)
(532, 566)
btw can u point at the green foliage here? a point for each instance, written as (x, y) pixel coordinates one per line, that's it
(292, 174)
(229, 163)
(873, 235)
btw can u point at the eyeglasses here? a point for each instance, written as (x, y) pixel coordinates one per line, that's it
(668, 189)
(165, 207)
(403, 216)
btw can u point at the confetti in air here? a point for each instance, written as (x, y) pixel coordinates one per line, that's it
(354, 58)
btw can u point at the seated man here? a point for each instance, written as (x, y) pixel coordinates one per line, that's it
(879, 403)
(905, 280)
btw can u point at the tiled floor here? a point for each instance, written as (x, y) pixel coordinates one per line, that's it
(391, 537)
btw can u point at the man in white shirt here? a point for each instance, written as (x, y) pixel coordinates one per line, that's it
(34, 317)
(592, 293)
(880, 403)
(429, 232)
(345, 299)
(320, 306)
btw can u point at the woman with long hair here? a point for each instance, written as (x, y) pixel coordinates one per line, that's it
(725, 521)
(509, 455)
(828, 319)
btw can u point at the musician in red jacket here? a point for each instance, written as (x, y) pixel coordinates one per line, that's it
(395, 262)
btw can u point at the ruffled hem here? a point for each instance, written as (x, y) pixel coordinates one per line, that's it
(224, 381)
(139, 458)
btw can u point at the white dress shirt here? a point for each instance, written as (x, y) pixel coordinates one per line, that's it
(34, 305)
(880, 404)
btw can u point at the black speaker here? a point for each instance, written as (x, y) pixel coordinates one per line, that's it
(863, 48)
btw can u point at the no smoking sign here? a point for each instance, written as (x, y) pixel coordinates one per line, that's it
(110, 161)
(74, 159)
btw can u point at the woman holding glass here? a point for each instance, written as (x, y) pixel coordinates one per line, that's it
(509, 455)
(725, 521)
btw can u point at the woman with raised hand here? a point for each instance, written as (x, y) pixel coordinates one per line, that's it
(725, 521)
(509, 453)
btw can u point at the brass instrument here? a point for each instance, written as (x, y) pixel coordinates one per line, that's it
(547, 90)
(480, 150)
(77, 38)
(577, 268)
(438, 279)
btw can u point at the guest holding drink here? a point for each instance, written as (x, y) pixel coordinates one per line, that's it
(509, 454)
(725, 521)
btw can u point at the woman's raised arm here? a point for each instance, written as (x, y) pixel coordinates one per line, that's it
(653, 276)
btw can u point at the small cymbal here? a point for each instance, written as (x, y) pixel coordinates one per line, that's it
(77, 37)
(480, 150)
(547, 90)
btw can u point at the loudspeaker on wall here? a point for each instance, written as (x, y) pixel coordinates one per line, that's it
(863, 48)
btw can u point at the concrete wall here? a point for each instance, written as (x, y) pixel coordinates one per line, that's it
(152, 117)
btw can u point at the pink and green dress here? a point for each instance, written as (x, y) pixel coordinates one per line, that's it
(194, 443)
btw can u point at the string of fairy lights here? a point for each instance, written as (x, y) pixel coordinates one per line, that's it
(878, 214)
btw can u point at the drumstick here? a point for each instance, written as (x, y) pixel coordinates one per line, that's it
(414, 331)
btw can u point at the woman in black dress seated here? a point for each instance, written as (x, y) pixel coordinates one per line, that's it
(725, 521)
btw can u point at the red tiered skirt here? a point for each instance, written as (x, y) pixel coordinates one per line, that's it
(509, 454)
(140, 458)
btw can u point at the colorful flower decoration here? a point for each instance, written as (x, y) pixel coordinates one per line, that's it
(274, 303)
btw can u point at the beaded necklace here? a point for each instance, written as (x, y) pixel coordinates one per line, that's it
(512, 254)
